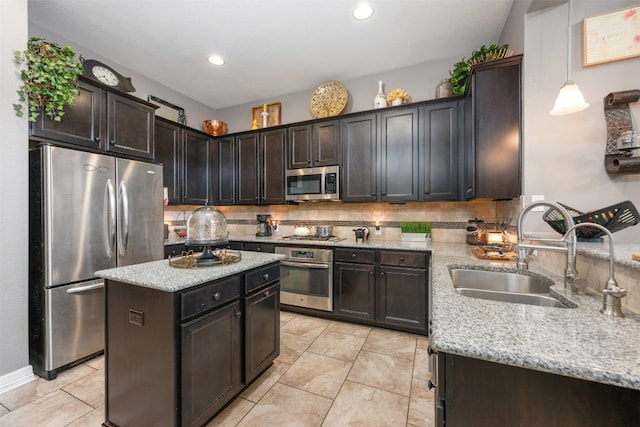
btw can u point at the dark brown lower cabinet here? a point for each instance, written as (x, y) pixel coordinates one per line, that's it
(473, 392)
(382, 288)
(211, 363)
(262, 330)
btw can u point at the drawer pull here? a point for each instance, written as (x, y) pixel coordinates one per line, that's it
(265, 277)
(401, 259)
(237, 314)
(354, 256)
(431, 385)
(216, 296)
(266, 293)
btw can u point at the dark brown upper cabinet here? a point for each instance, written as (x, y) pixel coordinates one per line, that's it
(493, 140)
(102, 119)
(313, 145)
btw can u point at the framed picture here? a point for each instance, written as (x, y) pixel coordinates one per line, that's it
(611, 36)
(273, 119)
(168, 110)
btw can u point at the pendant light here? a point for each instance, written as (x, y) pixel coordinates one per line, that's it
(570, 99)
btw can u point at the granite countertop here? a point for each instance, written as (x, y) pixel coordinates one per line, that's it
(577, 342)
(346, 243)
(160, 275)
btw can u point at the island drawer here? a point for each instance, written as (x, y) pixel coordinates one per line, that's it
(261, 277)
(355, 255)
(404, 259)
(209, 296)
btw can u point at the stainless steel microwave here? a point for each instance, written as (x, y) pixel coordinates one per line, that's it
(318, 184)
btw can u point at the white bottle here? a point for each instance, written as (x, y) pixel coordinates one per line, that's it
(380, 101)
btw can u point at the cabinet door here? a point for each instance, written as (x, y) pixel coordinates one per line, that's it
(211, 363)
(225, 170)
(168, 151)
(496, 119)
(197, 175)
(354, 290)
(262, 331)
(399, 155)
(82, 122)
(299, 143)
(248, 170)
(272, 155)
(401, 298)
(326, 143)
(360, 158)
(440, 130)
(130, 126)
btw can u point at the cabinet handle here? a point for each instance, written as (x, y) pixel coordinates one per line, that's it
(97, 139)
(431, 385)
(237, 314)
(354, 256)
(382, 273)
(216, 296)
(265, 277)
(266, 293)
(259, 249)
(430, 351)
(401, 259)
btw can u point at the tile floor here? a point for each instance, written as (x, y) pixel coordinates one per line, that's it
(328, 374)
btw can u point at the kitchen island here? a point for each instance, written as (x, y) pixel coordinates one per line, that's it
(181, 343)
(501, 363)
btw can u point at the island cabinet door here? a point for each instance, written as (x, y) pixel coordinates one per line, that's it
(262, 330)
(211, 363)
(401, 298)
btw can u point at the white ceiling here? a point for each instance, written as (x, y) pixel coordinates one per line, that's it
(271, 47)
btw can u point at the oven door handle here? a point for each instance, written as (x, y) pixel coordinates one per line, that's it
(304, 265)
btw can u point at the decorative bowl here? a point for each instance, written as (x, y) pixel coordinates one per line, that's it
(214, 127)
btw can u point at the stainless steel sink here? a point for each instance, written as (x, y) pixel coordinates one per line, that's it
(506, 286)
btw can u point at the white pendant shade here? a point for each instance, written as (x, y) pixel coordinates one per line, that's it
(569, 100)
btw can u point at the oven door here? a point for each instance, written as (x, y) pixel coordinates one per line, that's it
(306, 284)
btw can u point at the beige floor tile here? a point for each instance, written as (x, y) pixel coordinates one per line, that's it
(382, 371)
(349, 329)
(317, 374)
(291, 347)
(55, 409)
(285, 406)
(421, 364)
(232, 414)
(360, 405)
(96, 363)
(286, 317)
(264, 382)
(305, 326)
(40, 387)
(337, 345)
(422, 342)
(3, 410)
(396, 344)
(89, 389)
(94, 418)
(421, 411)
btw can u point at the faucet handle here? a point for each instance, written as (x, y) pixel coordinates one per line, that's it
(615, 292)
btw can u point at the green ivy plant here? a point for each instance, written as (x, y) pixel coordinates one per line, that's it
(50, 75)
(460, 72)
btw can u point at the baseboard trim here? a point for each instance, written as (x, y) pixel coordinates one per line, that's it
(16, 378)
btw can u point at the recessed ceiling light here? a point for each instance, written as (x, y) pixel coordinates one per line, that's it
(216, 60)
(363, 11)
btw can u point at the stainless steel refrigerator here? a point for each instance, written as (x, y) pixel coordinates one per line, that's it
(87, 212)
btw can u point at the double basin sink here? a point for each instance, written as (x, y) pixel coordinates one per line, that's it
(507, 286)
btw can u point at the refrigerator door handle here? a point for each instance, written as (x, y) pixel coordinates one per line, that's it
(124, 219)
(85, 288)
(110, 219)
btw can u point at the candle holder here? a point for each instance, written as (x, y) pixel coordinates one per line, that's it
(264, 118)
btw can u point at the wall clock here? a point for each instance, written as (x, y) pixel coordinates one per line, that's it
(106, 75)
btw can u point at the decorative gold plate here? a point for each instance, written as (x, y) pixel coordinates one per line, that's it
(329, 99)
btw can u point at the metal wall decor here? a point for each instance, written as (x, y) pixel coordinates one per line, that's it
(168, 110)
(622, 154)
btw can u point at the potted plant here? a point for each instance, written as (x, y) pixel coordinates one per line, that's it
(50, 75)
(415, 231)
(461, 69)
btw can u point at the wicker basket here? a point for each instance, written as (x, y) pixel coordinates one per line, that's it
(613, 218)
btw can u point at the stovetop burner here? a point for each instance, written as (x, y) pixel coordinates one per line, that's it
(314, 238)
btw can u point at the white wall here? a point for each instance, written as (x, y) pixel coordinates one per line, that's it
(564, 155)
(14, 254)
(195, 111)
(419, 81)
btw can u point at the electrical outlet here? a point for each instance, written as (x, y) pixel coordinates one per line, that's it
(537, 198)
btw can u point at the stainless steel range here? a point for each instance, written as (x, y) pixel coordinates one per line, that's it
(306, 277)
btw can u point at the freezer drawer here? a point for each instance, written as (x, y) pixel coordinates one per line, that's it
(74, 322)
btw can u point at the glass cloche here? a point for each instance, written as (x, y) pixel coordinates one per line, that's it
(207, 227)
